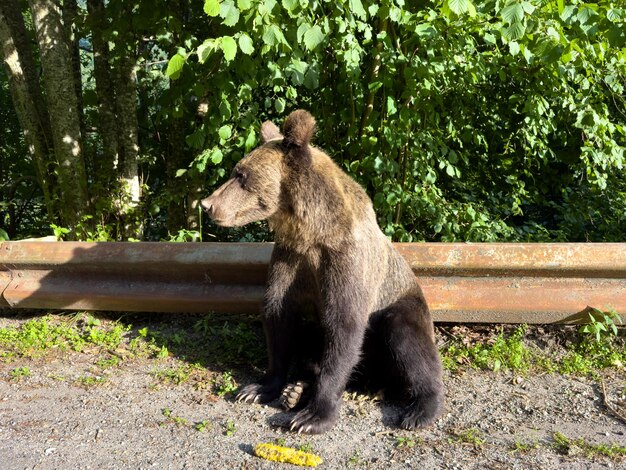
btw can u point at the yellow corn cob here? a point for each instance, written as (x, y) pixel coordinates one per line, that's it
(277, 453)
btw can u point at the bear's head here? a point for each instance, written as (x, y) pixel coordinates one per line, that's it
(255, 190)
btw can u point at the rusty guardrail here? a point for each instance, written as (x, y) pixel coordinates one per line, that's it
(504, 283)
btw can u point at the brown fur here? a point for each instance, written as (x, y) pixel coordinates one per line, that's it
(369, 320)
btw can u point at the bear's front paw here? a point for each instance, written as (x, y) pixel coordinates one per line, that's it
(257, 393)
(315, 419)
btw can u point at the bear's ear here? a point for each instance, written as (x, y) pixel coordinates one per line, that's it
(270, 131)
(299, 128)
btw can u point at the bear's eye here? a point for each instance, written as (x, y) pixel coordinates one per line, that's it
(240, 176)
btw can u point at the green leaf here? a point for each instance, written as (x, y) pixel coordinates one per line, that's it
(514, 48)
(216, 156)
(313, 37)
(356, 7)
(181, 172)
(290, 5)
(250, 140)
(229, 12)
(224, 107)
(280, 105)
(585, 14)
(244, 4)
(302, 29)
(614, 15)
(567, 12)
(225, 132)
(425, 30)
(312, 77)
(245, 44)
(514, 31)
(229, 47)
(175, 67)
(374, 86)
(458, 6)
(391, 106)
(4, 236)
(513, 13)
(205, 50)
(195, 140)
(395, 14)
(274, 36)
(212, 7)
(296, 71)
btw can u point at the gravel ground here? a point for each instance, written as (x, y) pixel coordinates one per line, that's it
(493, 420)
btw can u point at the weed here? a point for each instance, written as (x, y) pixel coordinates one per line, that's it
(202, 425)
(91, 380)
(140, 347)
(601, 324)
(184, 235)
(567, 446)
(109, 338)
(177, 339)
(599, 346)
(224, 384)
(184, 373)
(229, 428)
(305, 447)
(281, 441)
(522, 447)
(470, 436)
(107, 363)
(48, 334)
(405, 443)
(177, 420)
(176, 376)
(508, 353)
(232, 343)
(355, 458)
(19, 373)
(162, 352)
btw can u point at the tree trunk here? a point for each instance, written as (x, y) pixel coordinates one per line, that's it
(27, 98)
(102, 167)
(128, 169)
(63, 109)
(70, 20)
(174, 161)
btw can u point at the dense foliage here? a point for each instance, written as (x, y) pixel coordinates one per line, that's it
(465, 120)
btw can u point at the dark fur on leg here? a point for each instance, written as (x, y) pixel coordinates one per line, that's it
(400, 356)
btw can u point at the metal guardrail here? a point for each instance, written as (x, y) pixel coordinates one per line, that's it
(492, 282)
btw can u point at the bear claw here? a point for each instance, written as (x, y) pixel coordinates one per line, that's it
(255, 393)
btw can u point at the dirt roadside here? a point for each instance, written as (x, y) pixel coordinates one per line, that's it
(124, 417)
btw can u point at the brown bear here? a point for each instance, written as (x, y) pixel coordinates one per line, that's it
(339, 296)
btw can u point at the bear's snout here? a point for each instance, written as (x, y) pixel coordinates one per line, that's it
(206, 205)
(209, 205)
(217, 209)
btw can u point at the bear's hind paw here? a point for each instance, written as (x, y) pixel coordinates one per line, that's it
(293, 395)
